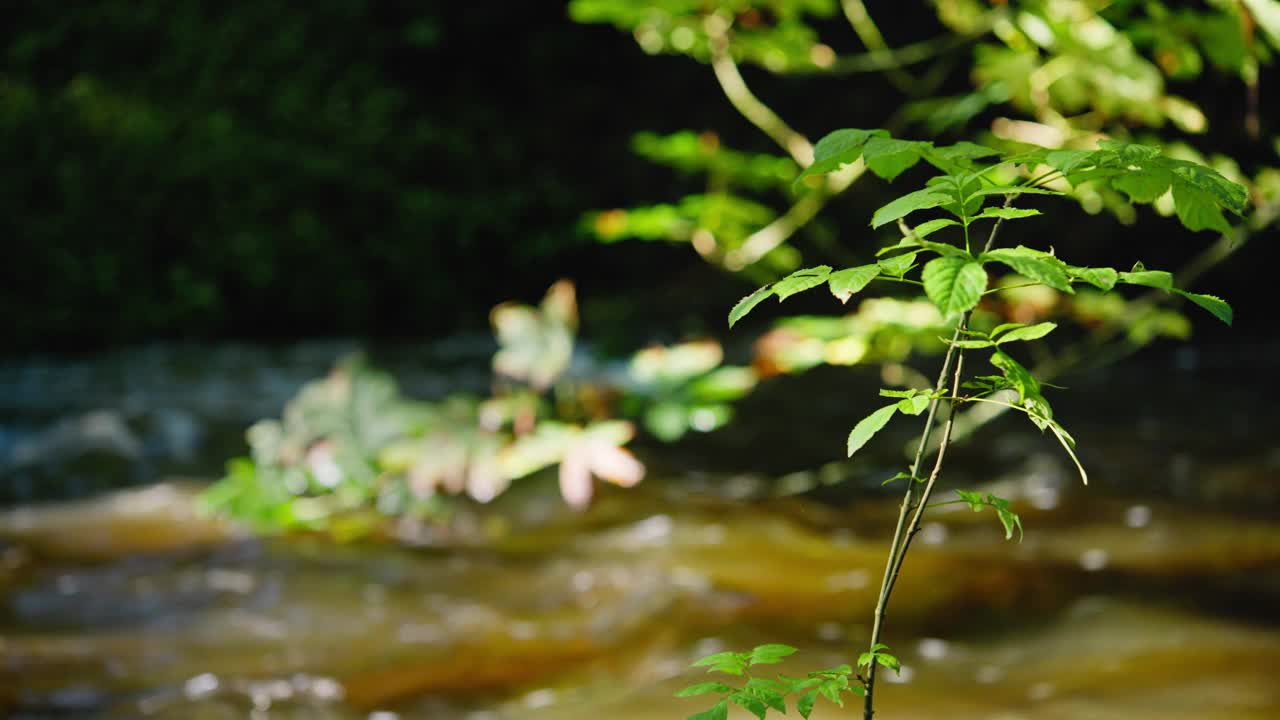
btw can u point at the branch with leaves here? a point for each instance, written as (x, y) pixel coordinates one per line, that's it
(954, 278)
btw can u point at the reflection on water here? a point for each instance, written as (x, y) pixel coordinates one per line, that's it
(1124, 603)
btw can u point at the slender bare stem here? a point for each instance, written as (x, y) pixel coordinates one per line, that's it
(905, 531)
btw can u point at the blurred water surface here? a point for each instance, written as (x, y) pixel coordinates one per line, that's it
(1150, 594)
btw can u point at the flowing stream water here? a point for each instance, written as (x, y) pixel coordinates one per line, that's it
(1153, 593)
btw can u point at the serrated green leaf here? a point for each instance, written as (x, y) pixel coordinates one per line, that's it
(1029, 332)
(801, 280)
(869, 426)
(1159, 279)
(750, 703)
(885, 392)
(957, 157)
(1008, 213)
(845, 283)
(770, 692)
(1144, 185)
(771, 653)
(954, 284)
(839, 148)
(1197, 209)
(805, 704)
(703, 689)
(913, 405)
(889, 661)
(1214, 304)
(745, 305)
(719, 712)
(1067, 160)
(929, 227)
(898, 265)
(889, 157)
(730, 663)
(1102, 278)
(1033, 264)
(930, 197)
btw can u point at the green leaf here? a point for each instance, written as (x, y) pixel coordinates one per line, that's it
(1158, 279)
(1145, 185)
(772, 653)
(1033, 264)
(805, 704)
(954, 284)
(730, 663)
(1029, 332)
(889, 157)
(746, 304)
(1102, 278)
(900, 476)
(831, 691)
(973, 498)
(889, 661)
(869, 426)
(1068, 444)
(704, 688)
(770, 692)
(1008, 213)
(750, 703)
(1197, 209)
(801, 280)
(958, 157)
(847, 282)
(898, 265)
(913, 405)
(930, 197)
(839, 148)
(929, 227)
(1009, 520)
(1212, 303)
(719, 712)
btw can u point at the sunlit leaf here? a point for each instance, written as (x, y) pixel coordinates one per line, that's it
(801, 280)
(930, 197)
(1030, 332)
(954, 284)
(1033, 264)
(1216, 305)
(890, 157)
(746, 304)
(869, 426)
(703, 689)
(839, 148)
(845, 283)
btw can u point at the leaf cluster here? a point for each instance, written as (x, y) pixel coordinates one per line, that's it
(760, 695)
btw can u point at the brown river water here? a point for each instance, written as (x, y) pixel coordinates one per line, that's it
(1152, 594)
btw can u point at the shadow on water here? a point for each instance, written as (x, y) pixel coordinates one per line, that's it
(1151, 594)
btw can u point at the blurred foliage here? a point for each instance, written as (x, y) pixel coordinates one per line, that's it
(351, 451)
(1056, 73)
(281, 169)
